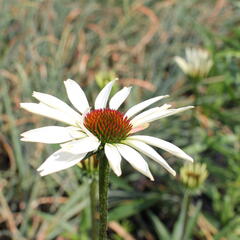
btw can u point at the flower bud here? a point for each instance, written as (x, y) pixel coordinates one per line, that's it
(103, 78)
(193, 175)
(90, 165)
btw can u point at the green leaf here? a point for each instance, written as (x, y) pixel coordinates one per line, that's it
(131, 207)
(229, 229)
(179, 226)
(159, 227)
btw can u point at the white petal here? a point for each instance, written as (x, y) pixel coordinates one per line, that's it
(167, 146)
(58, 161)
(56, 103)
(190, 52)
(182, 64)
(83, 145)
(135, 159)
(114, 158)
(85, 130)
(51, 134)
(158, 115)
(44, 110)
(119, 98)
(150, 152)
(139, 107)
(102, 98)
(171, 112)
(139, 128)
(76, 132)
(145, 114)
(149, 112)
(76, 95)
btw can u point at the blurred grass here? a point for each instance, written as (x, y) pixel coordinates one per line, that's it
(44, 42)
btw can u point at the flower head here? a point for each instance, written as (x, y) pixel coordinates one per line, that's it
(193, 175)
(104, 77)
(108, 125)
(197, 62)
(103, 128)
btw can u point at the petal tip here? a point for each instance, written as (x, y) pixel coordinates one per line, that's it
(68, 81)
(21, 105)
(190, 159)
(42, 173)
(151, 178)
(149, 174)
(119, 174)
(35, 93)
(22, 134)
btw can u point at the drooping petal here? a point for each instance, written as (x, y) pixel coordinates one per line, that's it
(170, 112)
(114, 158)
(150, 112)
(44, 110)
(167, 146)
(102, 98)
(58, 161)
(158, 115)
(83, 145)
(135, 159)
(76, 95)
(56, 103)
(51, 134)
(150, 152)
(139, 107)
(119, 98)
(145, 113)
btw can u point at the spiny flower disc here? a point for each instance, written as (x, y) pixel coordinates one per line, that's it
(108, 125)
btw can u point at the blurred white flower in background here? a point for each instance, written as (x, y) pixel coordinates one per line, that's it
(103, 128)
(197, 62)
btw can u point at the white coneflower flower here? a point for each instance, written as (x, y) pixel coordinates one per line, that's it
(102, 128)
(197, 62)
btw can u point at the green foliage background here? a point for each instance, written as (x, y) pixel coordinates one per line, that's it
(44, 42)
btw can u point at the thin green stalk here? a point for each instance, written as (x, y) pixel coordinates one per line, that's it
(195, 83)
(103, 195)
(185, 205)
(93, 188)
(194, 121)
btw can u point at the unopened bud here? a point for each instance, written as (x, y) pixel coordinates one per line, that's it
(103, 78)
(193, 175)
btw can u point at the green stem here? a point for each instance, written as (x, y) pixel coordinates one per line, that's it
(185, 206)
(103, 195)
(194, 122)
(93, 188)
(195, 82)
